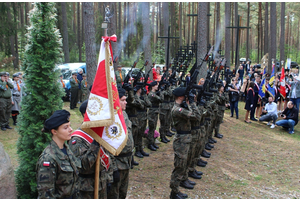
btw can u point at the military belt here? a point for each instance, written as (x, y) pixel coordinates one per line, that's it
(183, 132)
(87, 175)
(195, 127)
(17, 95)
(132, 115)
(207, 119)
(124, 155)
(141, 110)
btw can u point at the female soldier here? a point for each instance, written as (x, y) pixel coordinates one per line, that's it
(16, 98)
(84, 88)
(57, 167)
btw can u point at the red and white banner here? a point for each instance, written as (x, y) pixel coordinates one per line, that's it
(282, 84)
(104, 119)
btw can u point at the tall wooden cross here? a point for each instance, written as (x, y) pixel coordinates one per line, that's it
(168, 46)
(238, 29)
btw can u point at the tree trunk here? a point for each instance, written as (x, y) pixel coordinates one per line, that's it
(11, 37)
(74, 18)
(65, 32)
(124, 26)
(266, 29)
(282, 26)
(16, 61)
(273, 28)
(214, 28)
(180, 23)
(165, 11)
(26, 13)
(236, 63)
(90, 41)
(113, 28)
(79, 43)
(232, 32)
(202, 37)
(207, 23)
(227, 33)
(248, 25)
(218, 39)
(259, 33)
(189, 24)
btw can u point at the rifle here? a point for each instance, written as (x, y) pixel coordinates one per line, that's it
(139, 74)
(164, 76)
(126, 80)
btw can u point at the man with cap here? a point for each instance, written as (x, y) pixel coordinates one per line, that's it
(80, 78)
(74, 90)
(118, 189)
(16, 98)
(86, 149)
(120, 76)
(5, 101)
(155, 97)
(181, 115)
(84, 88)
(141, 93)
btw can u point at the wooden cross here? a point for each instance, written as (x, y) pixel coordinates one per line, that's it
(238, 29)
(168, 46)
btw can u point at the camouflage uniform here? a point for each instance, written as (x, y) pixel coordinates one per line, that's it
(171, 104)
(87, 153)
(164, 113)
(221, 100)
(133, 103)
(142, 116)
(74, 92)
(213, 116)
(123, 161)
(5, 102)
(207, 120)
(153, 114)
(84, 90)
(57, 173)
(181, 144)
(201, 144)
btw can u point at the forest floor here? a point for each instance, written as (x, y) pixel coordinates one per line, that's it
(251, 161)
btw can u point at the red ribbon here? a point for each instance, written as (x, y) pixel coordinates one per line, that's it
(112, 38)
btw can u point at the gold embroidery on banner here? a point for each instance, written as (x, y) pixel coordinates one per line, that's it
(114, 131)
(96, 107)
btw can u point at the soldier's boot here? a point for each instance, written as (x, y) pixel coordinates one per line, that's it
(210, 145)
(183, 195)
(174, 195)
(212, 139)
(162, 135)
(205, 154)
(186, 184)
(217, 134)
(192, 174)
(8, 127)
(198, 172)
(151, 147)
(155, 146)
(173, 129)
(207, 147)
(205, 162)
(133, 162)
(3, 128)
(167, 139)
(138, 153)
(15, 120)
(201, 164)
(143, 152)
(191, 182)
(169, 134)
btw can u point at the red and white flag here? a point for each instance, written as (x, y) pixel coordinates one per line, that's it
(282, 88)
(104, 120)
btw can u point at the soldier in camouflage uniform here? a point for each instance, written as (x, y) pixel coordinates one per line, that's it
(155, 97)
(5, 101)
(84, 88)
(164, 114)
(207, 126)
(171, 104)
(142, 116)
(181, 115)
(86, 149)
(119, 189)
(222, 101)
(57, 168)
(74, 90)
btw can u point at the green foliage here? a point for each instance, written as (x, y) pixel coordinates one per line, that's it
(44, 93)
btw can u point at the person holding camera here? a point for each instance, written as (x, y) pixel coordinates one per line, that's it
(290, 117)
(234, 97)
(270, 112)
(295, 90)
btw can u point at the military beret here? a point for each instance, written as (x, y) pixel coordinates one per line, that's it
(20, 73)
(58, 118)
(122, 92)
(180, 91)
(74, 73)
(15, 75)
(83, 74)
(153, 83)
(139, 86)
(7, 73)
(2, 73)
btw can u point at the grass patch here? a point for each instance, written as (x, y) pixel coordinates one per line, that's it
(257, 177)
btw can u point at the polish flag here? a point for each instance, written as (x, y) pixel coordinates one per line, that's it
(282, 84)
(104, 120)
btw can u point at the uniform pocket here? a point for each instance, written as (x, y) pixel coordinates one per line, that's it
(66, 176)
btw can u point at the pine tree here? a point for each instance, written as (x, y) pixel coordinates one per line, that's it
(44, 93)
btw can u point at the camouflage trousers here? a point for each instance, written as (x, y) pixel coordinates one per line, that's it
(152, 122)
(219, 121)
(212, 126)
(119, 190)
(171, 120)
(164, 118)
(5, 110)
(84, 95)
(90, 195)
(142, 116)
(192, 156)
(181, 146)
(207, 128)
(201, 145)
(137, 138)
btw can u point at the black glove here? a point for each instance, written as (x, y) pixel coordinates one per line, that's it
(191, 97)
(116, 176)
(184, 105)
(127, 87)
(158, 93)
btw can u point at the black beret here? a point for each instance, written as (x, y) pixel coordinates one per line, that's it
(122, 92)
(2, 73)
(180, 91)
(15, 75)
(58, 118)
(139, 85)
(153, 83)
(83, 106)
(83, 74)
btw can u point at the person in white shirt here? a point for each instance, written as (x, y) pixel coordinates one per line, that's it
(271, 112)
